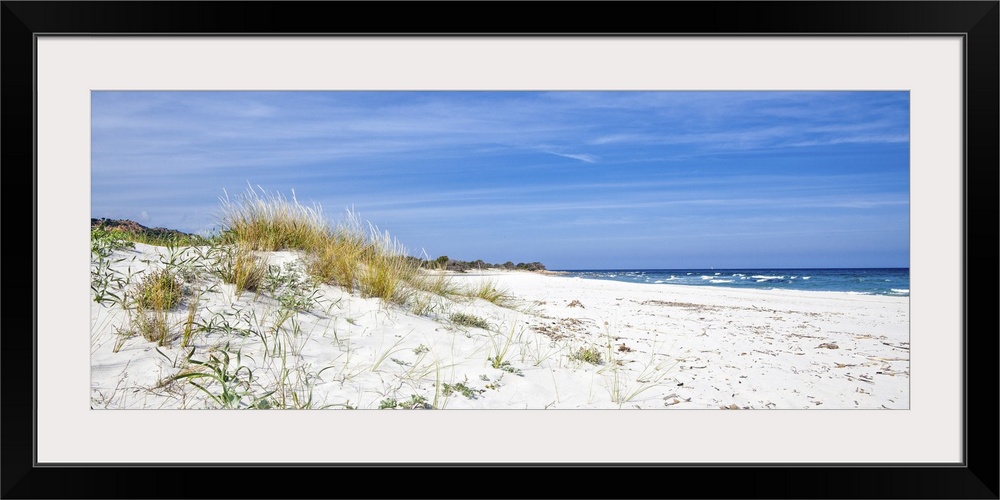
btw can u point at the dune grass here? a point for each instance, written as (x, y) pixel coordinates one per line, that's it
(488, 291)
(335, 260)
(385, 271)
(238, 265)
(351, 254)
(269, 221)
(348, 254)
(153, 296)
(159, 291)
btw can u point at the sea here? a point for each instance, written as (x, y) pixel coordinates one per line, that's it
(867, 281)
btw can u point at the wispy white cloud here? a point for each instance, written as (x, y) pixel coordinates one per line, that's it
(586, 158)
(437, 161)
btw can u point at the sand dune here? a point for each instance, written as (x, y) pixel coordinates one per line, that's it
(556, 342)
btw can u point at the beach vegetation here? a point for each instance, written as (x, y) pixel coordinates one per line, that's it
(488, 291)
(505, 366)
(232, 379)
(269, 221)
(336, 260)
(292, 289)
(434, 282)
(127, 233)
(352, 254)
(189, 323)
(384, 275)
(159, 291)
(386, 354)
(152, 325)
(500, 348)
(469, 320)
(461, 388)
(104, 242)
(415, 402)
(238, 265)
(589, 354)
(153, 296)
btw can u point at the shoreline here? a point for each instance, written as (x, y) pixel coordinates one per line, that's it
(554, 341)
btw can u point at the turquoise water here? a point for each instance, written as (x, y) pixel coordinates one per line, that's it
(868, 281)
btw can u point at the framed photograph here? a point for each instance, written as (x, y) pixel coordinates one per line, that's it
(890, 107)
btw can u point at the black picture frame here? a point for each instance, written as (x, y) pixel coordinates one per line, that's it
(977, 22)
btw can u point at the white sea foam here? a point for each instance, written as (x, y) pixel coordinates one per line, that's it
(900, 290)
(721, 281)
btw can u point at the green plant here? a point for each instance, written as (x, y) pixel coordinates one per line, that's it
(234, 381)
(588, 355)
(461, 388)
(109, 285)
(104, 242)
(156, 293)
(501, 347)
(505, 366)
(290, 288)
(469, 320)
(380, 358)
(414, 402)
(238, 265)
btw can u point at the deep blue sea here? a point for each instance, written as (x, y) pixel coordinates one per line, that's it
(889, 281)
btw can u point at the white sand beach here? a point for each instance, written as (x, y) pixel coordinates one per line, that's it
(555, 342)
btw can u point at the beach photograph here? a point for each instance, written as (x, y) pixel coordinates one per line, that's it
(500, 250)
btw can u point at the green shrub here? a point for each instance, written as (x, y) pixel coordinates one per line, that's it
(470, 320)
(588, 355)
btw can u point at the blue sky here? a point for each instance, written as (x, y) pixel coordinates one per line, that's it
(575, 180)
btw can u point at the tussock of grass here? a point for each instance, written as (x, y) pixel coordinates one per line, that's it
(434, 282)
(238, 265)
(356, 256)
(336, 259)
(158, 291)
(270, 222)
(152, 325)
(189, 323)
(385, 270)
(487, 290)
(154, 295)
